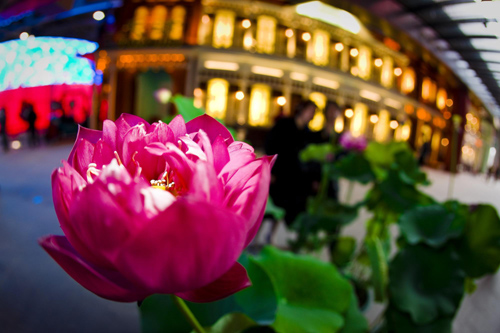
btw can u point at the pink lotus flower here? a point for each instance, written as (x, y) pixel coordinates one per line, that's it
(350, 142)
(158, 208)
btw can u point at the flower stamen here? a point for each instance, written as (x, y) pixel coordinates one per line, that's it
(92, 170)
(118, 158)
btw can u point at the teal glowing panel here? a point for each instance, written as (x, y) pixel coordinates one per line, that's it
(42, 61)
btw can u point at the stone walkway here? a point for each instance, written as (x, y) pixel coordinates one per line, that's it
(36, 295)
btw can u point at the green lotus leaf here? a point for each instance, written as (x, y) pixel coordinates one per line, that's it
(408, 168)
(343, 251)
(354, 321)
(426, 283)
(185, 107)
(312, 295)
(432, 225)
(393, 195)
(316, 152)
(235, 322)
(355, 167)
(479, 248)
(399, 322)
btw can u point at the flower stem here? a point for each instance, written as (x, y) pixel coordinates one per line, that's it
(182, 306)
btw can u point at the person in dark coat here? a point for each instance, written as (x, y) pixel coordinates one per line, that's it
(3, 129)
(291, 181)
(30, 116)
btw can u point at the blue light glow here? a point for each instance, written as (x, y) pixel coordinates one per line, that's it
(45, 61)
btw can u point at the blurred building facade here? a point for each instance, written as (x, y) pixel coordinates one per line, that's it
(249, 62)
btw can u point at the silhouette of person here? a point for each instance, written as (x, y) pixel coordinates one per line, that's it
(291, 182)
(30, 116)
(3, 129)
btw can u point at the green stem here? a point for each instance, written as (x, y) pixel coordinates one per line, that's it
(182, 306)
(349, 192)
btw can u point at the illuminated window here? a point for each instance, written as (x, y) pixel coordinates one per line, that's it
(204, 29)
(266, 34)
(402, 133)
(364, 62)
(158, 18)
(435, 145)
(217, 91)
(441, 99)
(381, 129)
(339, 124)
(426, 88)
(177, 29)
(358, 122)
(319, 49)
(408, 81)
(316, 124)
(223, 29)
(248, 41)
(260, 98)
(291, 45)
(386, 75)
(139, 23)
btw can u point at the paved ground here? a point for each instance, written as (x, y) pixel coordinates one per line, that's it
(36, 295)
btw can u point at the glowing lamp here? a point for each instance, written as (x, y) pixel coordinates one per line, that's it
(163, 95)
(98, 15)
(246, 23)
(349, 113)
(339, 47)
(306, 36)
(239, 95)
(393, 124)
(281, 100)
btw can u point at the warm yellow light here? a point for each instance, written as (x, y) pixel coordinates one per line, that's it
(355, 71)
(398, 71)
(408, 81)
(248, 41)
(445, 142)
(381, 129)
(239, 95)
(405, 132)
(197, 92)
(378, 62)
(349, 113)
(449, 102)
(373, 118)
(469, 116)
(266, 34)
(98, 15)
(306, 36)
(223, 28)
(260, 96)
(325, 83)
(205, 19)
(364, 62)
(386, 73)
(359, 120)
(281, 100)
(426, 88)
(246, 23)
(318, 121)
(16, 144)
(339, 47)
(354, 52)
(319, 52)
(24, 35)
(217, 90)
(289, 33)
(447, 115)
(330, 15)
(267, 71)
(392, 103)
(441, 98)
(370, 95)
(394, 124)
(221, 65)
(299, 76)
(339, 124)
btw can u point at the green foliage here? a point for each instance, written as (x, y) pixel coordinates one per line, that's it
(378, 263)
(382, 155)
(315, 300)
(231, 323)
(432, 225)
(394, 195)
(479, 248)
(354, 167)
(343, 252)
(317, 152)
(185, 107)
(276, 212)
(426, 283)
(399, 322)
